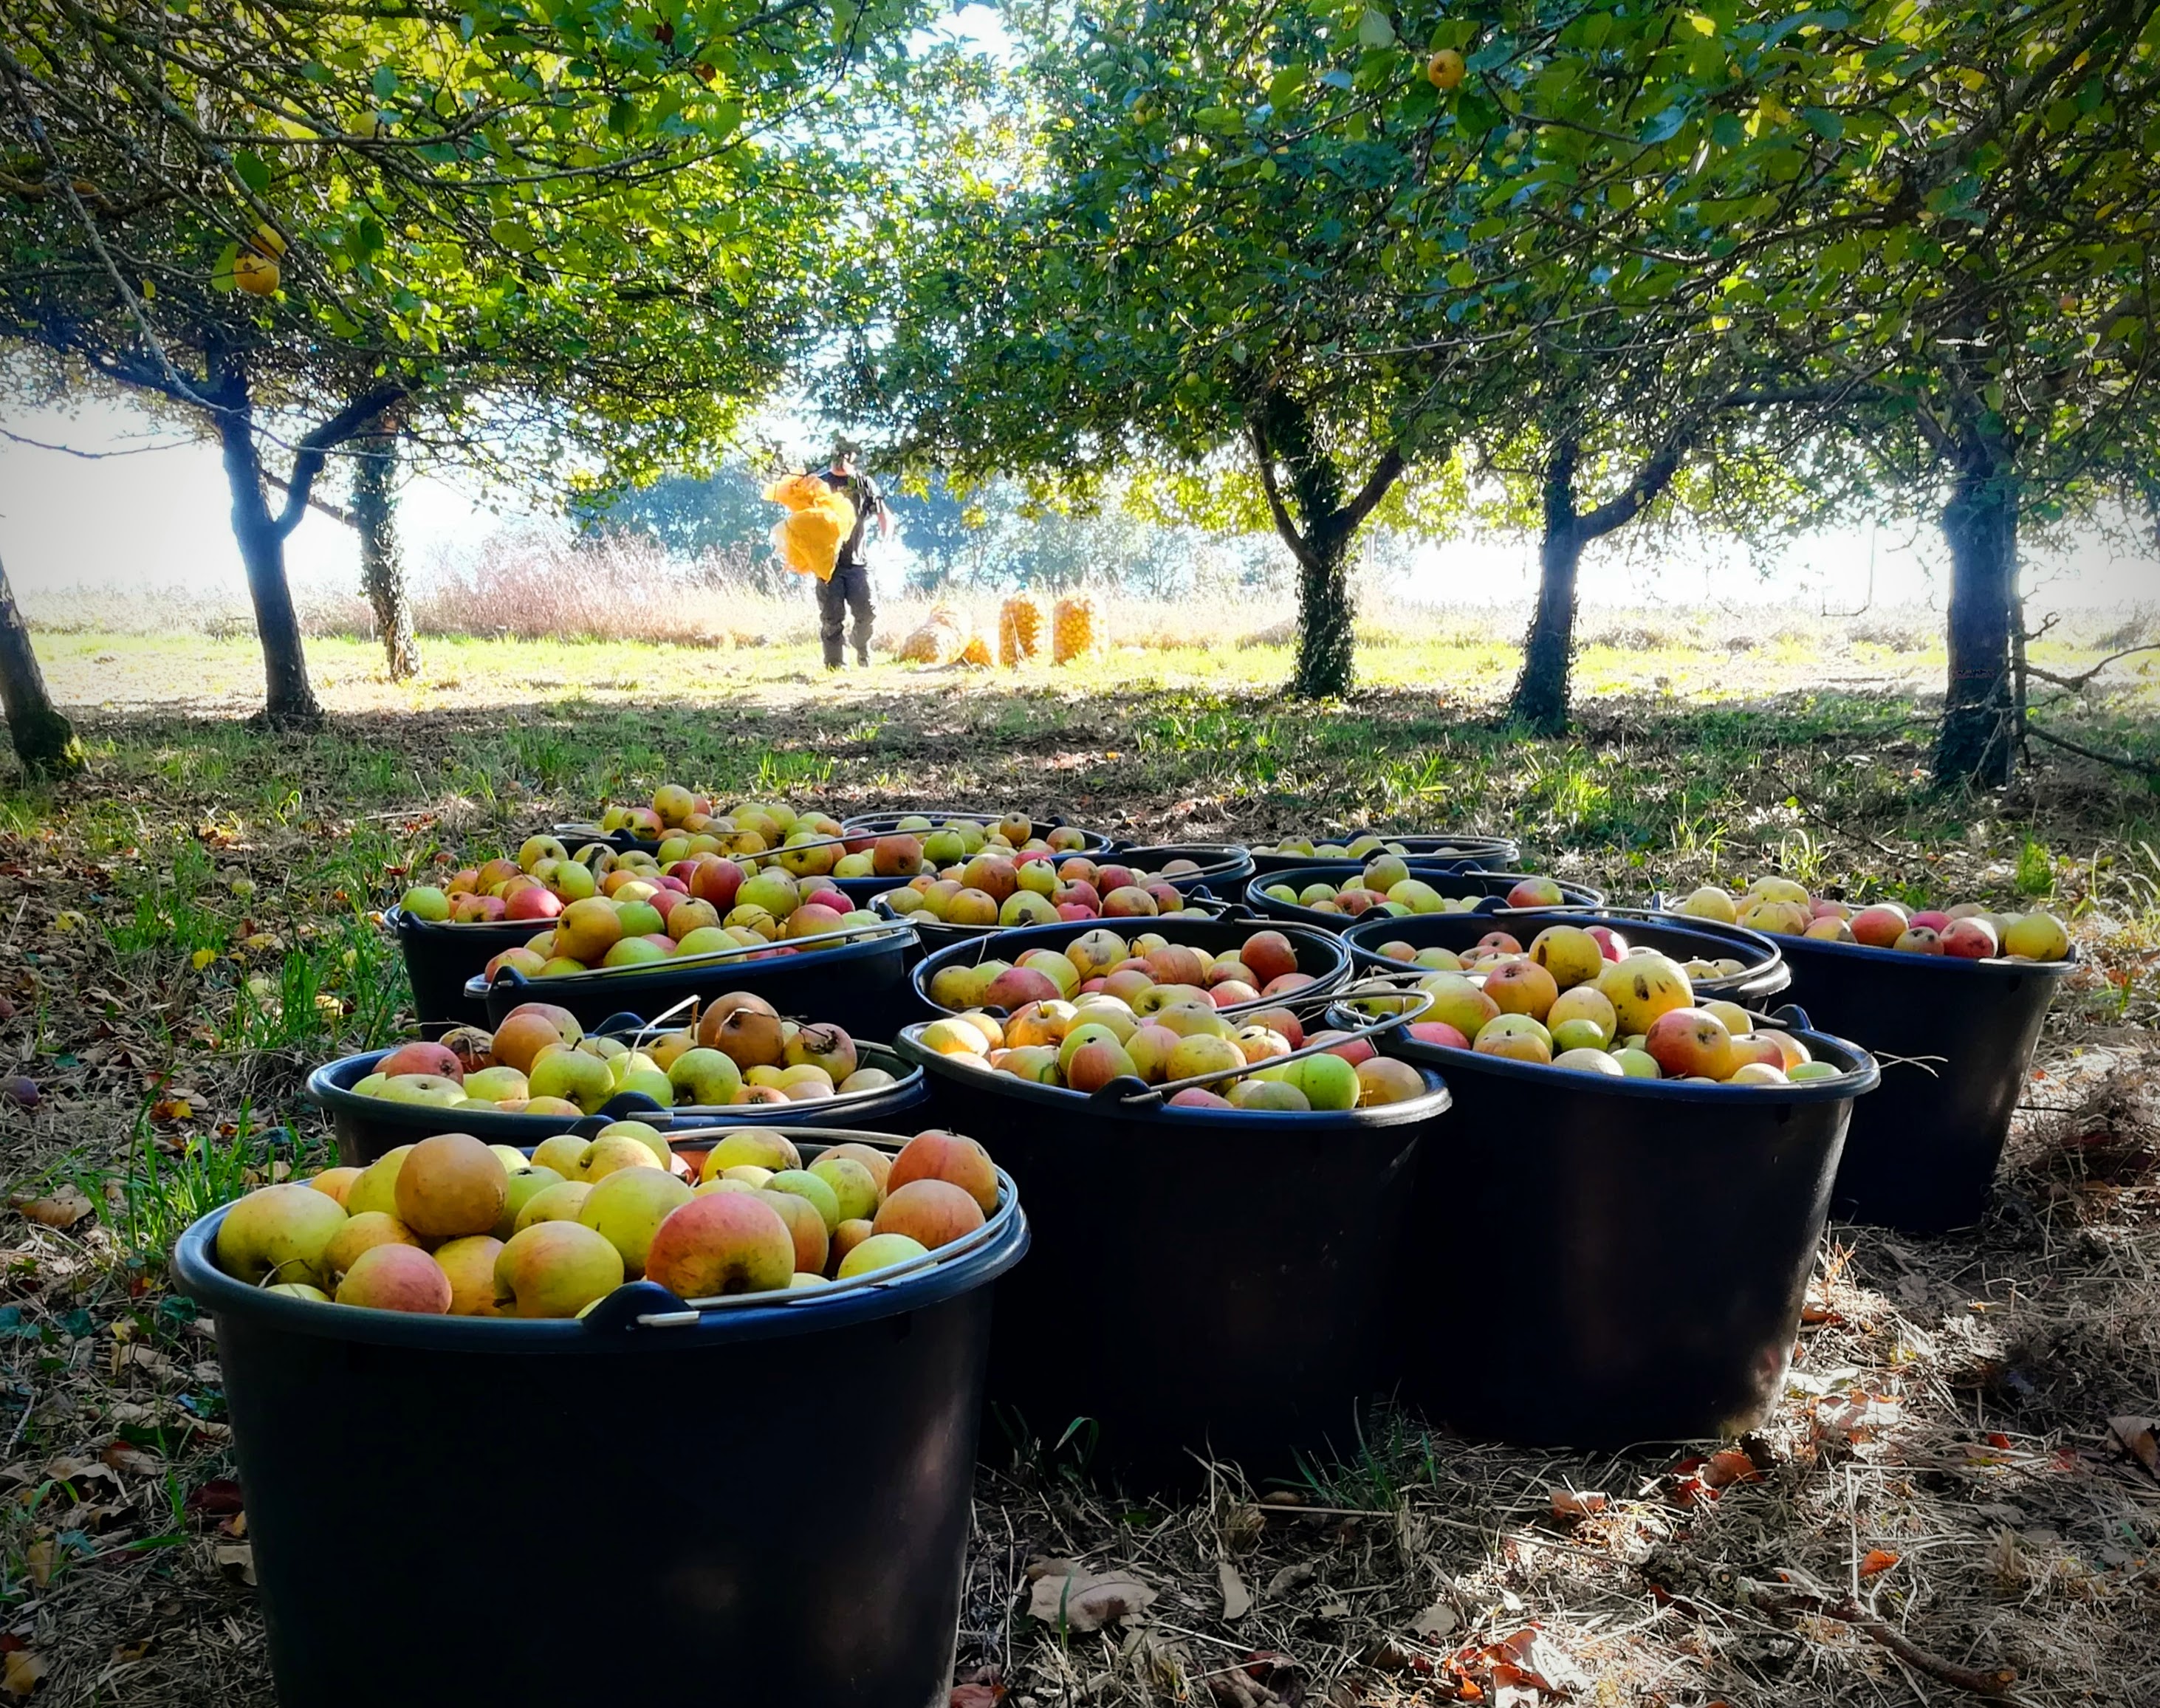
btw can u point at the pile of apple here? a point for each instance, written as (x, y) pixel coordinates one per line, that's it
(1567, 1002)
(681, 824)
(1080, 1046)
(452, 1227)
(1967, 932)
(1495, 947)
(1026, 888)
(541, 1062)
(1144, 972)
(1386, 885)
(1360, 848)
(637, 915)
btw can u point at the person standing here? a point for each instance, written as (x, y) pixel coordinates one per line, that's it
(849, 589)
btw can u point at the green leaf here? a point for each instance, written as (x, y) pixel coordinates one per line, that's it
(384, 82)
(252, 170)
(1286, 85)
(1824, 123)
(1375, 30)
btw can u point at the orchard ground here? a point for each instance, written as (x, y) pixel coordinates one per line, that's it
(185, 933)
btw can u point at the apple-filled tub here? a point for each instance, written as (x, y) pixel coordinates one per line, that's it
(1627, 1201)
(541, 1072)
(1219, 1199)
(758, 1364)
(1951, 1001)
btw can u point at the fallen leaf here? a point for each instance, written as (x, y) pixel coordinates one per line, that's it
(218, 1496)
(1854, 1417)
(20, 1671)
(1084, 1601)
(1729, 1466)
(236, 1560)
(1436, 1623)
(72, 1471)
(1538, 1661)
(61, 1209)
(1876, 1561)
(1236, 1599)
(1576, 1504)
(127, 1653)
(40, 1557)
(2140, 1437)
(1290, 1577)
(134, 1461)
(976, 1695)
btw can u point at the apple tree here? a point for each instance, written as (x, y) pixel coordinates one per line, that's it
(594, 233)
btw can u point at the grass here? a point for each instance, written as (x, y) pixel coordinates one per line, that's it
(187, 932)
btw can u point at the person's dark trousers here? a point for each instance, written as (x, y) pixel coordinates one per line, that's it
(848, 591)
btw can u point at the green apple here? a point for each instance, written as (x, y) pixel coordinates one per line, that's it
(561, 1152)
(854, 1188)
(645, 1132)
(559, 1202)
(497, 1085)
(705, 1076)
(627, 1207)
(426, 902)
(279, 1234)
(525, 1185)
(572, 1074)
(816, 1188)
(377, 1188)
(431, 1090)
(555, 1269)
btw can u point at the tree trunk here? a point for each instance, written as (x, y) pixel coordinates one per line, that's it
(1541, 691)
(381, 570)
(1326, 617)
(1978, 743)
(44, 740)
(289, 702)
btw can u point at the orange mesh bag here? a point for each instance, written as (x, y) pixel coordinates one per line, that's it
(938, 640)
(1019, 631)
(819, 518)
(1073, 629)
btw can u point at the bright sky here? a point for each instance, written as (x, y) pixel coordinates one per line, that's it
(158, 518)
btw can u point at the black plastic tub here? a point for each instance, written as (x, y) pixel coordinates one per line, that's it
(888, 823)
(441, 959)
(1460, 853)
(1956, 1041)
(1489, 890)
(861, 986)
(1766, 975)
(366, 1126)
(1319, 953)
(1204, 1281)
(397, 1470)
(1640, 1249)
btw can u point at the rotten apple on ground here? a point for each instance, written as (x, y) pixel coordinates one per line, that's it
(450, 1226)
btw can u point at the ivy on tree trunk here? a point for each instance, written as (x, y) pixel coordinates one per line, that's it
(381, 568)
(1319, 534)
(44, 740)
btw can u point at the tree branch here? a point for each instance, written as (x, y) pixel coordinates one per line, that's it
(348, 423)
(2136, 767)
(2074, 683)
(1651, 480)
(1385, 473)
(1284, 525)
(334, 512)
